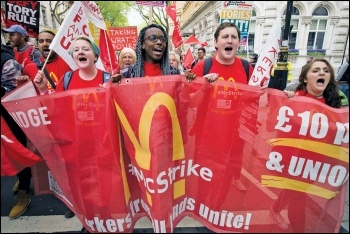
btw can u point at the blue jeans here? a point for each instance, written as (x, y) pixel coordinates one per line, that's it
(344, 87)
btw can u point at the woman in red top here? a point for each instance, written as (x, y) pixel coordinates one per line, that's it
(85, 53)
(317, 80)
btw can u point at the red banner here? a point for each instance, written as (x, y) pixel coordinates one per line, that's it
(14, 156)
(116, 157)
(24, 13)
(122, 37)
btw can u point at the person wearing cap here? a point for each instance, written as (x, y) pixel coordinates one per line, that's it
(18, 37)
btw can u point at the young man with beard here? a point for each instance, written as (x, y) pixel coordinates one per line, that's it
(18, 37)
(55, 67)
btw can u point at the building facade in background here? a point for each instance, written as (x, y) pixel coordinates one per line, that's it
(318, 28)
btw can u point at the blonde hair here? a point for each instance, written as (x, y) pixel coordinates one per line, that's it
(122, 53)
(95, 48)
(177, 57)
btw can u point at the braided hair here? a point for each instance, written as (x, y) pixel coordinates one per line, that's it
(138, 68)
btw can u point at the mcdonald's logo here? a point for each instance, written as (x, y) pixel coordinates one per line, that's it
(225, 88)
(84, 101)
(142, 145)
(153, 82)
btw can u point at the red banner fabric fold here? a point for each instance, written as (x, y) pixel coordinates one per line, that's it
(176, 38)
(14, 156)
(107, 53)
(240, 160)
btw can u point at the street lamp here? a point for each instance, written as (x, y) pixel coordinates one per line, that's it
(279, 81)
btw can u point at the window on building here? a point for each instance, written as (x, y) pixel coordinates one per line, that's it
(43, 15)
(294, 25)
(318, 28)
(53, 21)
(251, 34)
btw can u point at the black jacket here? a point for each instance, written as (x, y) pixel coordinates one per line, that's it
(7, 54)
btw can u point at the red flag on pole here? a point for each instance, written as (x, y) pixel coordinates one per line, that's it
(107, 54)
(188, 59)
(192, 40)
(176, 38)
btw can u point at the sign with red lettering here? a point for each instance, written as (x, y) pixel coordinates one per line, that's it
(122, 37)
(24, 13)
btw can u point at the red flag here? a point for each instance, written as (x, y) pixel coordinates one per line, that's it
(188, 59)
(192, 40)
(14, 156)
(107, 54)
(177, 39)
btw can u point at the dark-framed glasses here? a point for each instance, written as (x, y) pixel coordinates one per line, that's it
(154, 38)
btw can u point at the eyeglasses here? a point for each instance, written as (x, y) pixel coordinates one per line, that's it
(154, 39)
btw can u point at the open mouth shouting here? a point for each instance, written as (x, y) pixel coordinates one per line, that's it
(158, 52)
(320, 82)
(82, 59)
(46, 51)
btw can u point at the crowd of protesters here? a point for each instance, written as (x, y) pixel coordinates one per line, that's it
(150, 58)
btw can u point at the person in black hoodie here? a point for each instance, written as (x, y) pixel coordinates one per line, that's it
(10, 70)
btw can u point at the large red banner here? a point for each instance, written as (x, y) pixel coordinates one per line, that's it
(116, 157)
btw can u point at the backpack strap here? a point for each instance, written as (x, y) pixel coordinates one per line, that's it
(66, 79)
(207, 65)
(40, 66)
(245, 64)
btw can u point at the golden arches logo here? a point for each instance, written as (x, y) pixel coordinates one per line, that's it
(142, 146)
(153, 82)
(54, 78)
(225, 87)
(85, 99)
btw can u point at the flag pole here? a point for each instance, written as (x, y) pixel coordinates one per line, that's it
(47, 59)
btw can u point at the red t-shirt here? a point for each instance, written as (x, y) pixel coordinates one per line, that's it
(23, 57)
(152, 69)
(56, 69)
(77, 83)
(234, 72)
(306, 94)
(216, 102)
